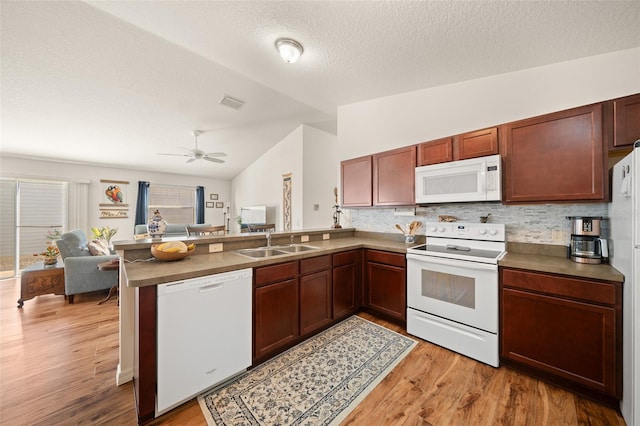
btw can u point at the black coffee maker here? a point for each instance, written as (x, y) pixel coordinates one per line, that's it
(587, 244)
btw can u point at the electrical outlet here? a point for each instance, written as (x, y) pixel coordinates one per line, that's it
(556, 235)
(304, 239)
(216, 248)
(326, 236)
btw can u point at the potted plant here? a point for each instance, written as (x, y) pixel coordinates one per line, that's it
(104, 233)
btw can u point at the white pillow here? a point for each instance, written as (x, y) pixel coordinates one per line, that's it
(98, 247)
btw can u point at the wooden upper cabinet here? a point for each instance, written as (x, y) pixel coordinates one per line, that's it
(356, 182)
(434, 152)
(555, 157)
(626, 120)
(394, 177)
(476, 144)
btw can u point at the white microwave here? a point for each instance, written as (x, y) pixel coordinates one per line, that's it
(476, 179)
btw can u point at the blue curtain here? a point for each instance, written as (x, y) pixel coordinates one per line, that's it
(142, 204)
(199, 204)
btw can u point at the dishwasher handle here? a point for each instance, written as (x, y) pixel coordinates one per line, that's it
(211, 287)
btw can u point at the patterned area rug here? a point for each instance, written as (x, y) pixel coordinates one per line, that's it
(317, 382)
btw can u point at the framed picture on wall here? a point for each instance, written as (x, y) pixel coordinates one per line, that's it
(219, 204)
(213, 196)
(115, 193)
(209, 204)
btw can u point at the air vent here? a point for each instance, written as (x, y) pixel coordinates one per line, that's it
(231, 102)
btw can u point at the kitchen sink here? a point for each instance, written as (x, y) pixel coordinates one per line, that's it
(296, 248)
(262, 252)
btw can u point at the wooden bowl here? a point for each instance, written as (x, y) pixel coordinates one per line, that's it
(169, 257)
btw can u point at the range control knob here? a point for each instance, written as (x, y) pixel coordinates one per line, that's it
(441, 229)
(482, 231)
(493, 231)
(433, 229)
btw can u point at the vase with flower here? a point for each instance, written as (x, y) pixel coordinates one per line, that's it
(50, 255)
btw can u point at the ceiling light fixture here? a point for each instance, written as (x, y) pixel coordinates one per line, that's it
(290, 50)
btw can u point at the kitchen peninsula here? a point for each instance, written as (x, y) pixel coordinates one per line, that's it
(334, 264)
(348, 259)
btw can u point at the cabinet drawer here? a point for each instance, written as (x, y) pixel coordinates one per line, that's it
(280, 272)
(315, 264)
(345, 258)
(386, 258)
(593, 291)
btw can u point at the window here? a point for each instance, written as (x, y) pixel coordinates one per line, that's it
(29, 210)
(176, 204)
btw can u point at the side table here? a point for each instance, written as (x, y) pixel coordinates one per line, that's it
(38, 279)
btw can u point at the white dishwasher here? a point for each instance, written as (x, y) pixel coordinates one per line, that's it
(203, 334)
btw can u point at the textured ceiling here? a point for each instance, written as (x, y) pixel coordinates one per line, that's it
(138, 76)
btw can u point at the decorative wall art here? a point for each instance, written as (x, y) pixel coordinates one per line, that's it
(219, 204)
(115, 199)
(114, 214)
(208, 204)
(213, 196)
(286, 201)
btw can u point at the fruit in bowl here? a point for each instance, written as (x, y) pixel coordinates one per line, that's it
(172, 250)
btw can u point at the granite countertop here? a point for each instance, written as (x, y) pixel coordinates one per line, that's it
(532, 260)
(145, 272)
(152, 272)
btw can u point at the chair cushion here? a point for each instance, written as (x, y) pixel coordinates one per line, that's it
(98, 247)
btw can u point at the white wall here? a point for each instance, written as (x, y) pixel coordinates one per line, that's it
(25, 168)
(309, 155)
(320, 159)
(405, 119)
(261, 182)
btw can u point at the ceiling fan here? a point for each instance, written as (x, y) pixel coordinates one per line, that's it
(198, 154)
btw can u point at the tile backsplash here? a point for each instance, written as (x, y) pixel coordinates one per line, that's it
(524, 224)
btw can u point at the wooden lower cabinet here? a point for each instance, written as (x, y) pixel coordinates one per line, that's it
(567, 330)
(385, 289)
(276, 308)
(315, 294)
(347, 283)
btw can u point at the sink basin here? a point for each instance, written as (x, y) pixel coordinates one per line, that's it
(262, 252)
(296, 248)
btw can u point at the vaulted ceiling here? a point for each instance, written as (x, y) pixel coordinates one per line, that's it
(117, 82)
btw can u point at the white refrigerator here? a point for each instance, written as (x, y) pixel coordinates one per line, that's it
(624, 255)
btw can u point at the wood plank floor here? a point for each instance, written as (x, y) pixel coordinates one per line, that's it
(58, 364)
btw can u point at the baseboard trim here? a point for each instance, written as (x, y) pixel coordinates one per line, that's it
(123, 377)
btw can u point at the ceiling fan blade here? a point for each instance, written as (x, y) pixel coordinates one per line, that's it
(213, 160)
(191, 160)
(216, 154)
(178, 155)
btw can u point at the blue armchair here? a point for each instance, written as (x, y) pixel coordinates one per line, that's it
(81, 273)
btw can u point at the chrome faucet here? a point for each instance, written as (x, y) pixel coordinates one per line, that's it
(268, 238)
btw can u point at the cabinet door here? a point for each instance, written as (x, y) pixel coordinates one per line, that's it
(434, 152)
(569, 339)
(276, 317)
(356, 182)
(476, 144)
(347, 288)
(394, 177)
(315, 301)
(626, 120)
(385, 284)
(556, 157)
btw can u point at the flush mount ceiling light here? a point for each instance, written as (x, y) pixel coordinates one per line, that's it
(290, 50)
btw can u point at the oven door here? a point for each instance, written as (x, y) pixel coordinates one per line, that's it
(461, 291)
